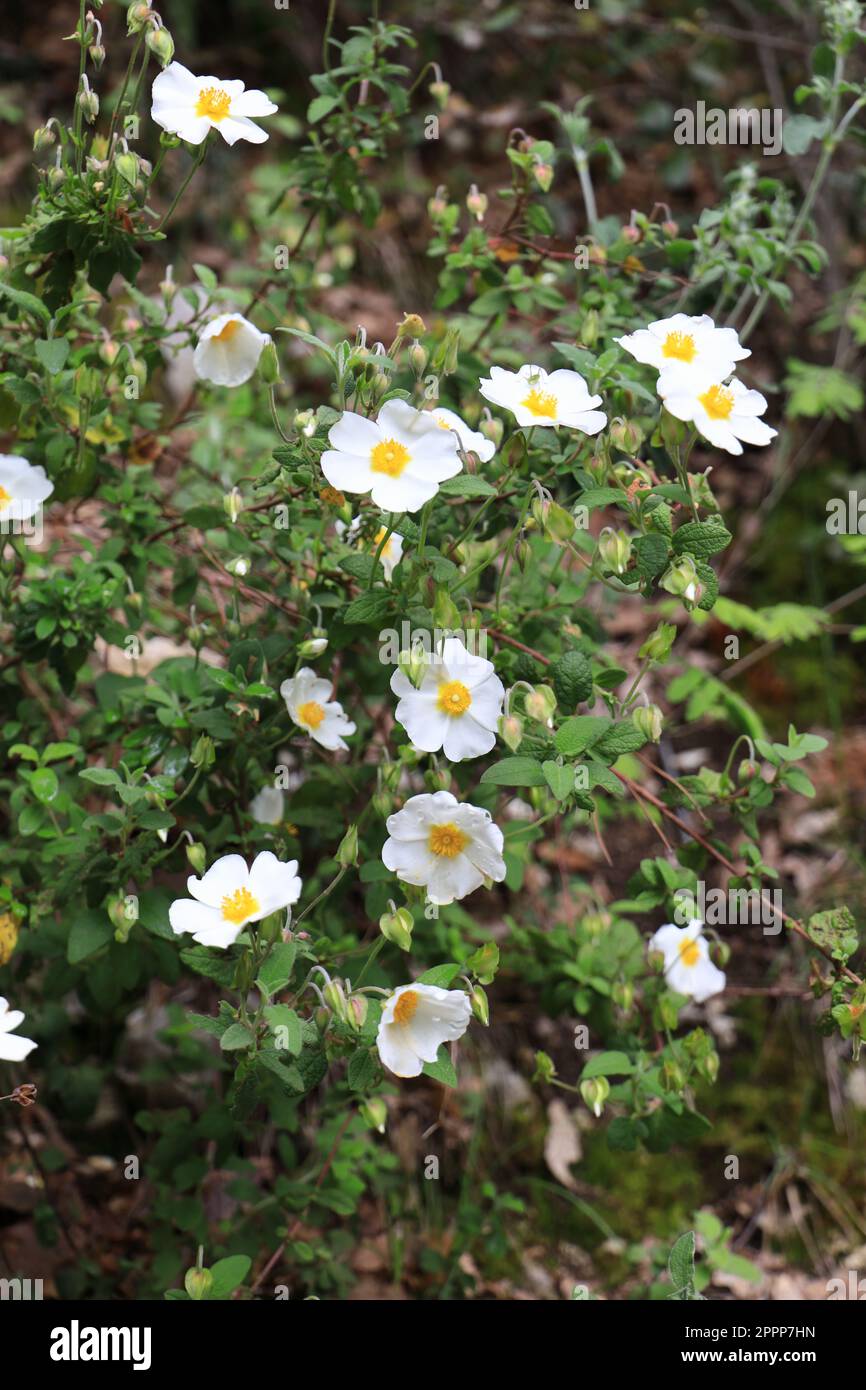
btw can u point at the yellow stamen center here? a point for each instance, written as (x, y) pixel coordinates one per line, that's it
(680, 346)
(228, 331)
(718, 402)
(311, 714)
(453, 698)
(447, 840)
(389, 457)
(540, 403)
(5, 497)
(214, 103)
(690, 953)
(404, 1009)
(239, 906)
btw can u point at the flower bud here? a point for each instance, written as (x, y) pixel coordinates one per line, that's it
(239, 566)
(374, 1112)
(595, 1092)
(412, 326)
(492, 429)
(631, 234)
(588, 332)
(196, 855)
(313, 646)
(476, 203)
(657, 646)
(203, 752)
(747, 771)
(543, 175)
(673, 1078)
(480, 1006)
(198, 1283)
(233, 505)
(269, 364)
(649, 720)
(626, 436)
(670, 228)
(88, 101)
(511, 731)
(720, 953)
(55, 177)
(681, 579)
(622, 994)
(614, 548)
(161, 44)
(541, 704)
(437, 206)
(44, 138)
(167, 286)
(418, 357)
(96, 52)
(396, 927)
(707, 1066)
(137, 15)
(347, 851)
(437, 779)
(440, 92)
(335, 997)
(545, 1068)
(357, 1006)
(555, 521)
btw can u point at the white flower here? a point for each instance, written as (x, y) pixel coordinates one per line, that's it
(24, 486)
(400, 459)
(471, 442)
(536, 397)
(191, 107)
(14, 1049)
(308, 700)
(685, 343)
(415, 1021)
(688, 968)
(230, 895)
(391, 553)
(228, 350)
(448, 848)
(457, 705)
(267, 806)
(724, 414)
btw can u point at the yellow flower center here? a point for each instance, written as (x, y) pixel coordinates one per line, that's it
(214, 103)
(311, 714)
(239, 906)
(447, 840)
(5, 498)
(540, 403)
(228, 331)
(680, 346)
(453, 698)
(718, 402)
(690, 953)
(389, 457)
(404, 1009)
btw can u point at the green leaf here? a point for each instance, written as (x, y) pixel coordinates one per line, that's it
(235, 1038)
(580, 732)
(90, 931)
(608, 1064)
(52, 353)
(281, 1017)
(319, 107)
(276, 971)
(44, 785)
(102, 776)
(220, 968)
(515, 772)
(440, 975)
(228, 1274)
(681, 1266)
(701, 538)
(362, 1070)
(467, 485)
(571, 678)
(622, 738)
(28, 302)
(442, 1069)
(369, 609)
(560, 778)
(651, 555)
